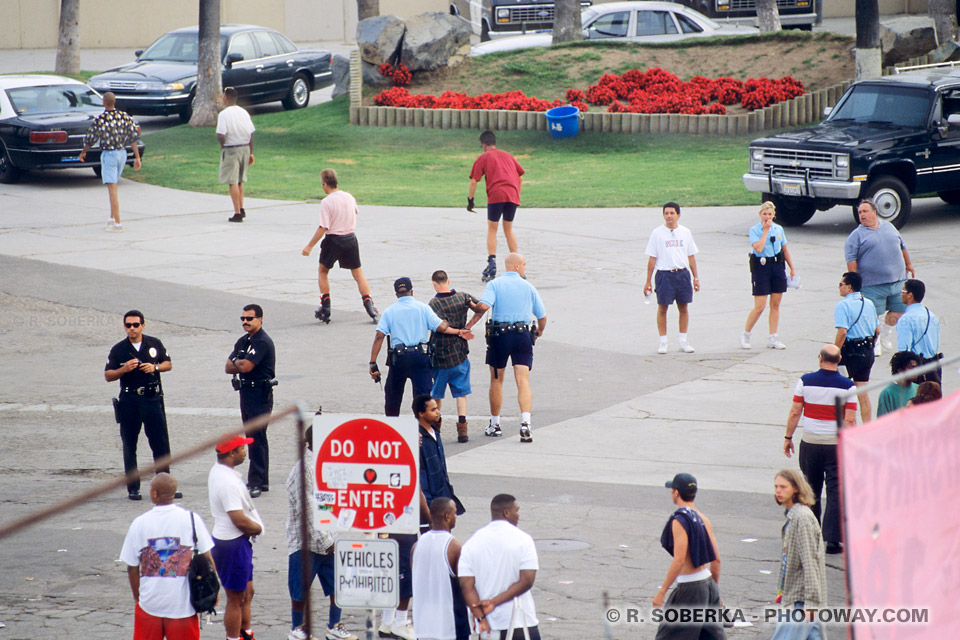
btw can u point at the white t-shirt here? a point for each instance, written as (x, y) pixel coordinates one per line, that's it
(495, 555)
(338, 213)
(671, 247)
(160, 542)
(235, 125)
(228, 493)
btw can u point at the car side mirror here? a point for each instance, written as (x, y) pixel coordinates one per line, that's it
(138, 53)
(827, 111)
(233, 58)
(954, 119)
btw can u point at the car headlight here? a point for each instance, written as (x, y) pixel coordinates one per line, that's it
(841, 166)
(756, 154)
(173, 86)
(756, 160)
(723, 5)
(503, 15)
(100, 85)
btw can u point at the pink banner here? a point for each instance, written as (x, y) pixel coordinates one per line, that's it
(900, 484)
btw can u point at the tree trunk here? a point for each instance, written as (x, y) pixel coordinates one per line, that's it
(566, 21)
(768, 15)
(868, 56)
(209, 91)
(944, 15)
(367, 9)
(68, 44)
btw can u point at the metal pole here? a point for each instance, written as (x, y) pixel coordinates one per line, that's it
(305, 559)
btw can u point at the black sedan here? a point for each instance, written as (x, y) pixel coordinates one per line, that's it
(260, 63)
(43, 120)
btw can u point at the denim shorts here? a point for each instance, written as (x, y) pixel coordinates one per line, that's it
(111, 165)
(885, 297)
(458, 377)
(321, 566)
(234, 560)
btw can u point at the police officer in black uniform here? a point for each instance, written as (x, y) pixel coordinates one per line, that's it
(137, 362)
(251, 363)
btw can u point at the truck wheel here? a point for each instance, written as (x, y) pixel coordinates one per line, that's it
(791, 212)
(299, 94)
(892, 199)
(8, 173)
(950, 197)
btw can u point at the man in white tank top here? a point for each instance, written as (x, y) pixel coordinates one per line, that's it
(439, 612)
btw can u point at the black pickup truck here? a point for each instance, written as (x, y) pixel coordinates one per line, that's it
(889, 139)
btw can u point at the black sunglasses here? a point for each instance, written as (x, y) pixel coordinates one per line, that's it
(248, 318)
(132, 325)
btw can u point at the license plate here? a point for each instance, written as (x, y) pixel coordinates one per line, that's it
(791, 189)
(70, 159)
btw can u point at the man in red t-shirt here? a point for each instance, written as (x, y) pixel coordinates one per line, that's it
(503, 179)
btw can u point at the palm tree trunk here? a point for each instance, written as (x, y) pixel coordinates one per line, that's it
(944, 14)
(566, 21)
(367, 9)
(209, 92)
(868, 57)
(68, 43)
(768, 15)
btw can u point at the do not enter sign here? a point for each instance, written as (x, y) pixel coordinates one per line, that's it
(367, 474)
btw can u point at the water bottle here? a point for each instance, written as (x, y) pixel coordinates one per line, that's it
(647, 297)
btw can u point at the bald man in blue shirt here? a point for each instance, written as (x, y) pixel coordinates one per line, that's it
(514, 304)
(408, 322)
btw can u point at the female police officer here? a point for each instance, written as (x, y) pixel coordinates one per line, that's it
(767, 273)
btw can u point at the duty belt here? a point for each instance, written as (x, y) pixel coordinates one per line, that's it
(252, 384)
(149, 390)
(402, 349)
(859, 343)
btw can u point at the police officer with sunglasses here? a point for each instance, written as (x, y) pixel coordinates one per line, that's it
(137, 362)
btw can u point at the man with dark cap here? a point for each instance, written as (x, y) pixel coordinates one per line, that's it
(688, 537)
(408, 323)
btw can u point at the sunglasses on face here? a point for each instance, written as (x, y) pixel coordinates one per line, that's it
(132, 325)
(248, 318)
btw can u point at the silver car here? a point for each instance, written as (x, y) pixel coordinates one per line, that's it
(638, 21)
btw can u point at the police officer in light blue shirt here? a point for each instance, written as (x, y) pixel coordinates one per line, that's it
(408, 323)
(768, 277)
(855, 318)
(514, 303)
(918, 330)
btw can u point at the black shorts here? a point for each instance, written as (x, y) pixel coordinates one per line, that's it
(768, 278)
(344, 249)
(515, 346)
(506, 209)
(858, 361)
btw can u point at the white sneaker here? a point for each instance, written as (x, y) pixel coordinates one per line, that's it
(110, 224)
(298, 634)
(685, 347)
(116, 228)
(662, 348)
(404, 633)
(338, 632)
(745, 340)
(774, 342)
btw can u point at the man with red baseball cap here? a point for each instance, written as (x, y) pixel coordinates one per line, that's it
(236, 523)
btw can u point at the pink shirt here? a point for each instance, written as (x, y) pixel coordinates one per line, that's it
(338, 213)
(502, 172)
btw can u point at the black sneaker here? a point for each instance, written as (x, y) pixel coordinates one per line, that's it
(243, 212)
(177, 495)
(237, 217)
(493, 430)
(134, 495)
(525, 435)
(254, 492)
(372, 311)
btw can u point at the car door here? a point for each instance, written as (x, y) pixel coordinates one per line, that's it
(943, 172)
(274, 74)
(655, 26)
(615, 24)
(243, 75)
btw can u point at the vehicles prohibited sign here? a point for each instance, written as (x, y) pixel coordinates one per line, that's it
(367, 474)
(367, 574)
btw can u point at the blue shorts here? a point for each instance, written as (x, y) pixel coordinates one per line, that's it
(458, 377)
(885, 297)
(405, 542)
(111, 165)
(321, 566)
(515, 346)
(506, 209)
(234, 560)
(673, 286)
(767, 278)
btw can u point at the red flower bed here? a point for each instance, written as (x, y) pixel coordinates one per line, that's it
(400, 74)
(635, 91)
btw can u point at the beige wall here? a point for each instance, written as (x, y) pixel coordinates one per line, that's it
(32, 24)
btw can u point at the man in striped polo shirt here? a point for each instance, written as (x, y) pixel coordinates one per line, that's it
(814, 400)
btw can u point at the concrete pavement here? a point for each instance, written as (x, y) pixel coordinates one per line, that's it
(612, 419)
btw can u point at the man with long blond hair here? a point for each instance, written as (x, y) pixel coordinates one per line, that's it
(803, 583)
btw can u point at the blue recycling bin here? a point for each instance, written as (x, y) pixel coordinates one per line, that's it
(563, 122)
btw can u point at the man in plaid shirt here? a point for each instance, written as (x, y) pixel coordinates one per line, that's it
(451, 365)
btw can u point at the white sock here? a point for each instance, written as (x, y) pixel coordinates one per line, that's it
(683, 338)
(495, 420)
(746, 334)
(387, 616)
(401, 619)
(525, 416)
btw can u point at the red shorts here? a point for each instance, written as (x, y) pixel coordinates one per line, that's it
(148, 627)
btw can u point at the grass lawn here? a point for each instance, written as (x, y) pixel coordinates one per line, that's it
(426, 167)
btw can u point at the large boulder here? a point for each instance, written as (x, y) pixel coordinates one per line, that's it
(372, 77)
(379, 39)
(341, 75)
(907, 37)
(431, 39)
(947, 52)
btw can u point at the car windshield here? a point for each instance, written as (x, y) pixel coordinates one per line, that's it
(177, 47)
(884, 104)
(56, 98)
